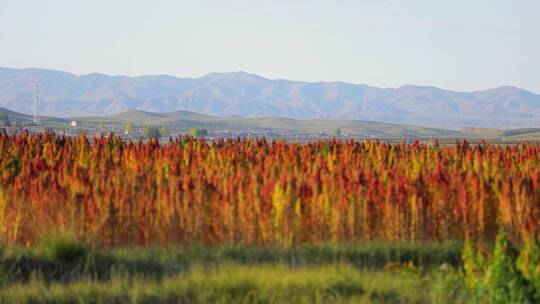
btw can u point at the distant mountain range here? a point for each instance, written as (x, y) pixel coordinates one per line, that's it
(248, 95)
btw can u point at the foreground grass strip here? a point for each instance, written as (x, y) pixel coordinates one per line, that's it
(231, 283)
(67, 260)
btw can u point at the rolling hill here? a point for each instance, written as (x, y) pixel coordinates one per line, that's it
(185, 119)
(355, 128)
(26, 118)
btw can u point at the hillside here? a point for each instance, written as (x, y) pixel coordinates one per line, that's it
(355, 128)
(26, 118)
(184, 119)
(249, 95)
(510, 134)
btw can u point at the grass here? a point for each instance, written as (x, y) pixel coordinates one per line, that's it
(62, 270)
(63, 259)
(233, 283)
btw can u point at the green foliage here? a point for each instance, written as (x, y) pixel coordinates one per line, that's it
(337, 132)
(129, 127)
(4, 118)
(474, 265)
(497, 279)
(529, 262)
(64, 248)
(504, 283)
(164, 132)
(449, 287)
(13, 166)
(151, 132)
(196, 132)
(390, 296)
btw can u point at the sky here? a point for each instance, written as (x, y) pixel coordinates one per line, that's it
(460, 45)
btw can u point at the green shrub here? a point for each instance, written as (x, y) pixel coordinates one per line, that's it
(529, 263)
(195, 132)
(474, 265)
(504, 283)
(497, 278)
(151, 132)
(63, 248)
(164, 132)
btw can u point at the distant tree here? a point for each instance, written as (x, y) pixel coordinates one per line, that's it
(151, 132)
(337, 132)
(196, 132)
(130, 126)
(164, 132)
(4, 119)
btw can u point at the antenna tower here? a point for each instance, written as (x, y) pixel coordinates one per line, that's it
(36, 106)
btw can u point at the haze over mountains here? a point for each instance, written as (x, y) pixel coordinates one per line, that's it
(248, 95)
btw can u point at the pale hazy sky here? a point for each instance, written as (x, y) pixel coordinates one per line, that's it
(454, 44)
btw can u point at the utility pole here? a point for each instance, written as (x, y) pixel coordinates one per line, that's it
(36, 105)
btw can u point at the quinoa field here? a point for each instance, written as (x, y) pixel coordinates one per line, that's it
(107, 220)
